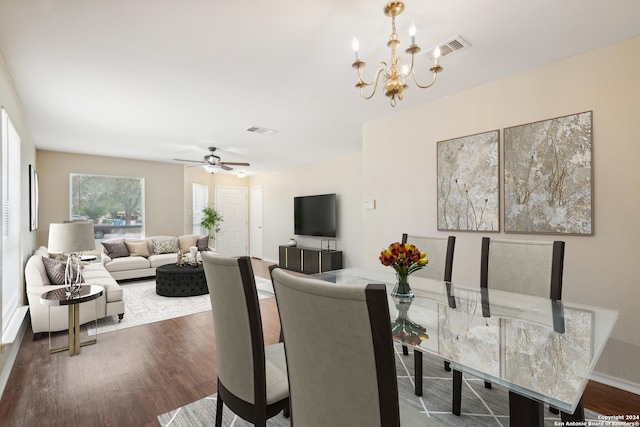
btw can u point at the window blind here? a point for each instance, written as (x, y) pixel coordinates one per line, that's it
(10, 220)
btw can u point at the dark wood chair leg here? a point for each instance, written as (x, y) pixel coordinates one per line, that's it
(219, 412)
(554, 410)
(487, 384)
(287, 411)
(457, 392)
(405, 350)
(525, 412)
(417, 364)
(120, 316)
(447, 366)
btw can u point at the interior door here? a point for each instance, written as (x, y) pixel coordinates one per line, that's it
(233, 204)
(200, 195)
(255, 222)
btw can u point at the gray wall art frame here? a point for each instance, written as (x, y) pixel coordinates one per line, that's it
(33, 199)
(548, 176)
(468, 183)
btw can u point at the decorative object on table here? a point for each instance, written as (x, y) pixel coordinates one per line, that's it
(405, 259)
(548, 176)
(394, 72)
(292, 243)
(71, 238)
(211, 220)
(405, 330)
(468, 195)
(194, 252)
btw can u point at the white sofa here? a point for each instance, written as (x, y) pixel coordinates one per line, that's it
(109, 304)
(135, 266)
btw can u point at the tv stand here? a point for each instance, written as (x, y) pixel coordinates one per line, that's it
(309, 260)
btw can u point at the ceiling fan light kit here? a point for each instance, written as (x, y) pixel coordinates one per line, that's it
(212, 162)
(395, 76)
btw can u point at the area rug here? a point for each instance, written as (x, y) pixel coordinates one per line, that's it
(480, 406)
(142, 305)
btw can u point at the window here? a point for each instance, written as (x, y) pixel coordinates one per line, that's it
(11, 283)
(115, 204)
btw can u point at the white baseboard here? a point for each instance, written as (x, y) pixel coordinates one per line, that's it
(270, 260)
(616, 382)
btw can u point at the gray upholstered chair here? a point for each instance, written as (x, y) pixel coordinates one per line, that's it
(252, 377)
(440, 255)
(527, 267)
(356, 386)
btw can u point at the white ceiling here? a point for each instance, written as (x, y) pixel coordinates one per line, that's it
(164, 79)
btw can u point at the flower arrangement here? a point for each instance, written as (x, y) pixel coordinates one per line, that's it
(405, 259)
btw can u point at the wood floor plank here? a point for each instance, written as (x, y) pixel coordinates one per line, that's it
(133, 375)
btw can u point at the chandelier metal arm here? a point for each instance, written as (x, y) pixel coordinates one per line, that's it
(382, 66)
(421, 86)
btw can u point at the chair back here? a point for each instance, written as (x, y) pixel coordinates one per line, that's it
(339, 350)
(439, 253)
(240, 350)
(528, 267)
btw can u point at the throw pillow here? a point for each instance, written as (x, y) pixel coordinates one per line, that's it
(185, 243)
(116, 249)
(203, 243)
(55, 270)
(164, 246)
(138, 248)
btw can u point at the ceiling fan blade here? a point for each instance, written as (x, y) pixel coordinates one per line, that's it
(224, 166)
(185, 160)
(235, 163)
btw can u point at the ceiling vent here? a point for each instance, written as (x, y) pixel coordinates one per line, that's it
(451, 46)
(262, 131)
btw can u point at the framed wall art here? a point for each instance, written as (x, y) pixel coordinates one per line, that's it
(468, 187)
(548, 176)
(33, 199)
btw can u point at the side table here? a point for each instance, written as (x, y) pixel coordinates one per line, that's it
(58, 297)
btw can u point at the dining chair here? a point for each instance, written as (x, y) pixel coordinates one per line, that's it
(252, 377)
(356, 386)
(440, 255)
(527, 267)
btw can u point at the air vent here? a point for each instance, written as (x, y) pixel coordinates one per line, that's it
(454, 45)
(262, 131)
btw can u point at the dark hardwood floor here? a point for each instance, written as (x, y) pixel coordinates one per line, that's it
(133, 375)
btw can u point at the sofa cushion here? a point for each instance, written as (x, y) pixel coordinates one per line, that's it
(203, 243)
(157, 260)
(164, 246)
(137, 248)
(185, 242)
(56, 270)
(127, 263)
(116, 248)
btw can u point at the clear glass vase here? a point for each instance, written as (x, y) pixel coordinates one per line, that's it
(402, 291)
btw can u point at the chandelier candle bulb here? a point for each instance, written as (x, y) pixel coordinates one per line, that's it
(356, 47)
(412, 33)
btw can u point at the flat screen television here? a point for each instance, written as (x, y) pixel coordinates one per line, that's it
(315, 215)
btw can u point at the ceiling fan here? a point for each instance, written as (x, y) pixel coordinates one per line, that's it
(212, 159)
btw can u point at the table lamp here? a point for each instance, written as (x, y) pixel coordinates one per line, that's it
(71, 238)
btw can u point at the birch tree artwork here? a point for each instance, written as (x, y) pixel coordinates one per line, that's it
(547, 176)
(468, 196)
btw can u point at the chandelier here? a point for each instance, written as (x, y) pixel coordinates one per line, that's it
(395, 76)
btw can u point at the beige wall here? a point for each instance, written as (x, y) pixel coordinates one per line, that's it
(163, 189)
(602, 269)
(341, 176)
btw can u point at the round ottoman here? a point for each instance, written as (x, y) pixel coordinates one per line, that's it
(185, 281)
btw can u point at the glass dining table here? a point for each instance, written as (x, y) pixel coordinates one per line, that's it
(542, 351)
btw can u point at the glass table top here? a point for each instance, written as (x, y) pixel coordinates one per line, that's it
(539, 348)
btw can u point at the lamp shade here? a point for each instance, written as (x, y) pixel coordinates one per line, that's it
(71, 237)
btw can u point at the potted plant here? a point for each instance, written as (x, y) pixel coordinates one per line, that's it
(211, 220)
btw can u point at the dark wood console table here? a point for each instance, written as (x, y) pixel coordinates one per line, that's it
(309, 260)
